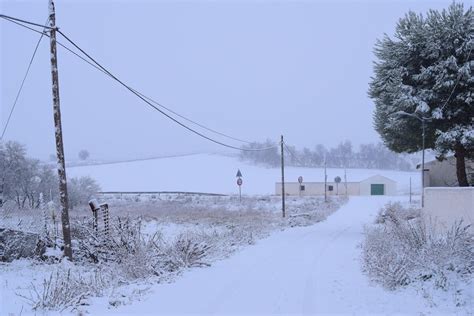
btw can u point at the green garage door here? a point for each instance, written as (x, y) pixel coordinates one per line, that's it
(377, 189)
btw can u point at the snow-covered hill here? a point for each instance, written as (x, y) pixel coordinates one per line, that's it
(216, 174)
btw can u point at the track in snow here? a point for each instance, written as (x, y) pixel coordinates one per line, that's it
(307, 270)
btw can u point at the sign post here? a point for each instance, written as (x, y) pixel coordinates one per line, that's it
(337, 180)
(300, 181)
(239, 183)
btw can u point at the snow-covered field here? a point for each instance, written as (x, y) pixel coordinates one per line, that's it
(216, 174)
(259, 262)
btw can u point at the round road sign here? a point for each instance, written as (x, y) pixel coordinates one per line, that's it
(300, 179)
(239, 181)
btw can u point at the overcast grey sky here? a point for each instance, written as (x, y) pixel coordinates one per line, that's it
(252, 69)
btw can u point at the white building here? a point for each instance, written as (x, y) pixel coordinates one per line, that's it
(443, 173)
(374, 185)
(446, 206)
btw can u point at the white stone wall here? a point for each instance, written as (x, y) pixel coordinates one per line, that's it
(446, 205)
(317, 188)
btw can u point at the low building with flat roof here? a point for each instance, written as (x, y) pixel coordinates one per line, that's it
(374, 185)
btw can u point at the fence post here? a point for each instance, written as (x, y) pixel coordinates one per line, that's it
(105, 212)
(94, 205)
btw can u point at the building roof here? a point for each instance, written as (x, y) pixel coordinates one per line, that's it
(377, 176)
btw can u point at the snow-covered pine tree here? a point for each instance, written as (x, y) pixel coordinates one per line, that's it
(428, 69)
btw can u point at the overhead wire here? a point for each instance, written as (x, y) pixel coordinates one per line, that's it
(22, 84)
(295, 157)
(59, 43)
(26, 22)
(153, 106)
(140, 95)
(191, 121)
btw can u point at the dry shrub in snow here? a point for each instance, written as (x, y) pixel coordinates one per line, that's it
(185, 251)
(127, 249)
(133, 251)
(65, 289)
(398, 251)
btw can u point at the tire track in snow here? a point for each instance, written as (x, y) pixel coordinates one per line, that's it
(309, 305)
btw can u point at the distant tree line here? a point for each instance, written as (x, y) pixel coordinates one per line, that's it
(369, 156)
(23, 179)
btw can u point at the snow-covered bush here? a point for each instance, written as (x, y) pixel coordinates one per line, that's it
(382, 258)
(446, 256)
(401, 249)
(394, 210)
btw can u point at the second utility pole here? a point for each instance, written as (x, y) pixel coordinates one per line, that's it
(59, 137)
(282, 178)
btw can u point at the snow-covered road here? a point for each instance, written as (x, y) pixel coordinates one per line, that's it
(308, 270)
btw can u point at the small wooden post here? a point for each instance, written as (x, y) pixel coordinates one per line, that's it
(94, 205)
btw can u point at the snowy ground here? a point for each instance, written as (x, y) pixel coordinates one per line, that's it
(229, 224)
(306, 270)
(303, 270)
(192, 173)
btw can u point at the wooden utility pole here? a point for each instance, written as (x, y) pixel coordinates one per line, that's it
(282, 178)
(423, 164)
(325, 181)
(59, 136)
(2, 175)
(410, 190)
(345, 179)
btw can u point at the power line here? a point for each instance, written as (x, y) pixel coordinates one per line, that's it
(191, 121)
(22, 83)
(26, 22)
(295, 157)
(60, 44)
(144, 98)
(153, 106)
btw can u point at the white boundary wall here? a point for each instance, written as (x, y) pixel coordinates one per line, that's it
(353, 188)
(317, 188)
(446, 205)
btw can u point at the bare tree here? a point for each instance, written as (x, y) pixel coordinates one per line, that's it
(83, 154)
